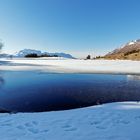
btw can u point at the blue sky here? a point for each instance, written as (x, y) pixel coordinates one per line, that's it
(79, 27)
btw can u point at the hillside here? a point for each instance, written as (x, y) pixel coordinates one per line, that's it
(130, 51)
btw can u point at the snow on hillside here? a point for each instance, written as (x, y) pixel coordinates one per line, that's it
(115, 121)
(128, 46)
(131, 43)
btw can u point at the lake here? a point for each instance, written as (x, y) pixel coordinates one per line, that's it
(37, 92)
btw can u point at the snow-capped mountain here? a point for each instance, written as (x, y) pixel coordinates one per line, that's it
(25, 52)
(130, 50)
(132, 45)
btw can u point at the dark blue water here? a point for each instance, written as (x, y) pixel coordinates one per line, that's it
(35, 92)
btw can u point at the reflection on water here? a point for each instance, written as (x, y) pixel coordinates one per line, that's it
(1, 80)
(133, 77)
(1, 84)
(33, 92)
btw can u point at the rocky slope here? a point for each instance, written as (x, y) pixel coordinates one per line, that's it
(129, 51)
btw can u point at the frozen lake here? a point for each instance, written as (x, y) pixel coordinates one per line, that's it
(35, 91)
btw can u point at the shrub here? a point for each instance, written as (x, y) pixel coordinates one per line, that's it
(33, 55)
(88, 57)
(131, 52)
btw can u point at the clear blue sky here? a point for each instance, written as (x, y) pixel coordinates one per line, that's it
(73, 26)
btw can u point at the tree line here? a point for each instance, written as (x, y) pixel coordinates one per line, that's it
(34, 55)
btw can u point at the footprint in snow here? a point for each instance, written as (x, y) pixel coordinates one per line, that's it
(30, 127)
(66, 126)
(95, 122)
(34, 122)
(69, 128)
(100, 127)
(125, 122)
(26, 125)
(6, 124)
(44, 131)
(33, 130)
(137, 117)
(30, 124)
(20, 127)
(6, 121)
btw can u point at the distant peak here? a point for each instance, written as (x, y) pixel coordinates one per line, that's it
(25, 52)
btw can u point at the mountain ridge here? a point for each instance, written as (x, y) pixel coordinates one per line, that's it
(130, 50)
(24, 52)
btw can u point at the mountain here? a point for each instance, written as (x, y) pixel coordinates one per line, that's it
(130, 50)
(25, 52)
(62, 55)
(4, 55)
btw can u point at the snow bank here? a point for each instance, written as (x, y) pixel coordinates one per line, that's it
(61, 65)
(116, 121)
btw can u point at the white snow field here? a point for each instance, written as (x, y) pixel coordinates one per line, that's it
(62, 65)
(115, 121)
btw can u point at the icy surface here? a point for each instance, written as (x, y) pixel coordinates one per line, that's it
(61, 65)
(116, 121)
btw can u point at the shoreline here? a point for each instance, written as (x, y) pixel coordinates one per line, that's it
(114, 67)
(95, 122)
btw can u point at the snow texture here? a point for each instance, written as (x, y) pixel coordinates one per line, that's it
(115, 121)
(131, 43)
(63, 65)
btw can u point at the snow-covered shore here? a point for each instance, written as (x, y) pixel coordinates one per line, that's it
(72, 66)
(115, 121)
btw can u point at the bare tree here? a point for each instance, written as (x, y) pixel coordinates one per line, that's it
(1, 45)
